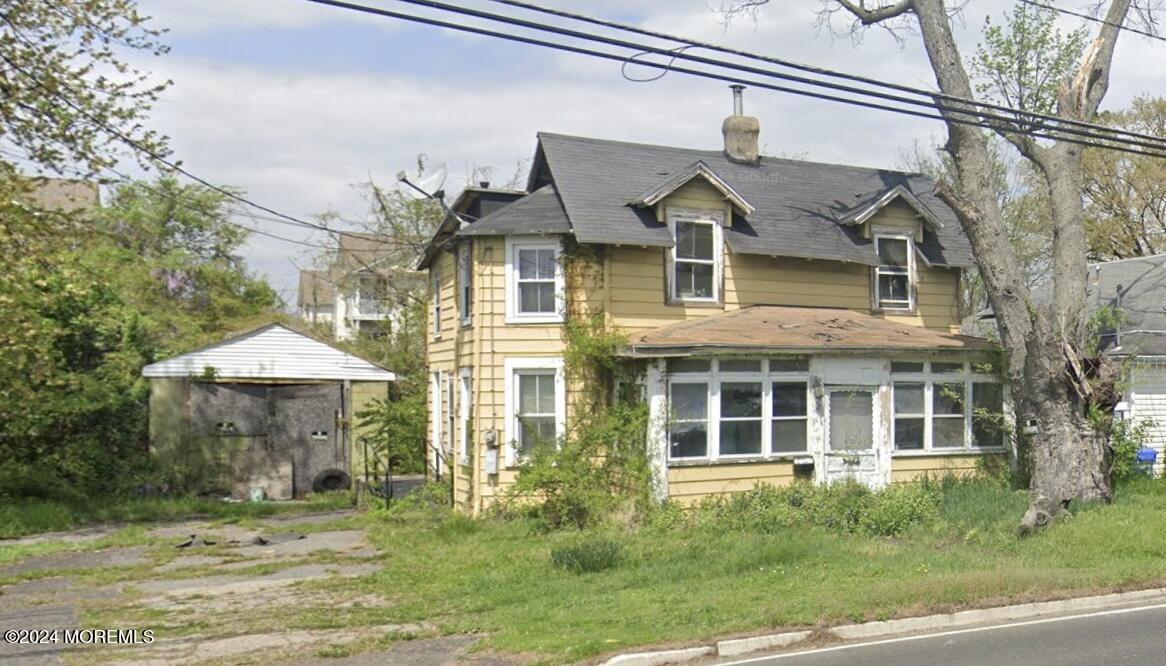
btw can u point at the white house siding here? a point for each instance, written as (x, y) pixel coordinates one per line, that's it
(273, 352)
(1147, 401)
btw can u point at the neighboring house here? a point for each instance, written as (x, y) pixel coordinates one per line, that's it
(358, 290)
(1136, 288)
(63, 194)
(795, 319)
(272, 409)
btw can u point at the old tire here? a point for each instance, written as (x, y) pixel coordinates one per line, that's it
(330, 480)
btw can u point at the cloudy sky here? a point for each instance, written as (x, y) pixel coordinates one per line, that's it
(296, 103)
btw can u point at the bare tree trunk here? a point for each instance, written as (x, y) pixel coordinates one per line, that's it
(1048, 387)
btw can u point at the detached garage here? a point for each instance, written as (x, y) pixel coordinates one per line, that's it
(271, 411)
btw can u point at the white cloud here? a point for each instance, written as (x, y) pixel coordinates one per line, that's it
(298, 140)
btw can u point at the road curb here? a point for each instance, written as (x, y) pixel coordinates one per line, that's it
(882, 628)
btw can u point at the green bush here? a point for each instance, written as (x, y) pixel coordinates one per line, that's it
(598, 469)
(844, 507)
(589, 555)
(1125, 438)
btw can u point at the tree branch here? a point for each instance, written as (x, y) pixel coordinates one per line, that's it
(871, 16)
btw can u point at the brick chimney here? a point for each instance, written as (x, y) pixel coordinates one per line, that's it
(740, 131)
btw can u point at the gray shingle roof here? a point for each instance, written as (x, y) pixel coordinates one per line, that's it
(799, 204)
(1141, 283)
(540, 212)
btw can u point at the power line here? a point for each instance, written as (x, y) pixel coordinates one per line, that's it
(820, 71)
(174, 166)
(970, 117)
(1095, 19)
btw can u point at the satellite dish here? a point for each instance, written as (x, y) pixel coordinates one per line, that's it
(429, 186)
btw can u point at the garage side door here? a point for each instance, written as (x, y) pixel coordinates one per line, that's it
(304, 423)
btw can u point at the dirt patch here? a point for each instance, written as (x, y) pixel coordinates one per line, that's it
(423, 652)
(161, 593)
(94, 559)
(283, 546)
(196, 649)
(43, 618)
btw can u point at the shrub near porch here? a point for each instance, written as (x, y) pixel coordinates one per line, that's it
(746, 567)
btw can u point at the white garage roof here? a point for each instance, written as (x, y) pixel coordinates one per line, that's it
(272, 352)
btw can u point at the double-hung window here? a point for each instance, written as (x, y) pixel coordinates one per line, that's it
(436, 289)
(933, 412)
(535, 402)
(534, 281)
(465, 409)
(893, 278)
(737, 408)
(695, 271)
(465, 282)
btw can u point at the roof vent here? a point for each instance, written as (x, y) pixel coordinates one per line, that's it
(741, 131)
(484, 184)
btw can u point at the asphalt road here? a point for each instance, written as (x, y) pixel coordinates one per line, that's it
(1120, 636)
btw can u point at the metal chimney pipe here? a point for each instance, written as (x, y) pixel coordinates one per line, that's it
(738, 99)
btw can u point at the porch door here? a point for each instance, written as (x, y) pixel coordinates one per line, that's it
(852, 437)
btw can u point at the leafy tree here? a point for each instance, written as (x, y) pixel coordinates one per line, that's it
(69, 96)
(1125, 194)
(89, 298)
(1042, 343)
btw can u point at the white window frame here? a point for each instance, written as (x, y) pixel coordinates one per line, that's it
(465, 406)
(435, 438)
(767, 378)
(512, 367)
(929, 378)
(465, 282)
(435, 311)
(715, 218)
(513, 245)
(450, 417)
(909, 272)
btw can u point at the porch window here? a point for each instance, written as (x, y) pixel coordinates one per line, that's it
(910, 415)
(695, 256)
(987, 415)
(893, 274)
(737, 408)
(789, 417)
(947, 413)
(741, 418)
(534, 281)
(944, 406)
(688, 436)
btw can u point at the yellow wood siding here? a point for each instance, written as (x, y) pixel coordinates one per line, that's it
(628, 285)
(688, 485)
(914, 468)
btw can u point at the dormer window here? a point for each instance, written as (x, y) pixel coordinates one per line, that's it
(893, 276)
(696, 256)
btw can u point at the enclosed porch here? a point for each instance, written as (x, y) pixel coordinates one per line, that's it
(770, 394)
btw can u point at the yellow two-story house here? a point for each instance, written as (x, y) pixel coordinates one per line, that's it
(797, 319)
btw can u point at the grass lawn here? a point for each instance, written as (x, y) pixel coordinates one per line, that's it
(20, 517)
(684, 582)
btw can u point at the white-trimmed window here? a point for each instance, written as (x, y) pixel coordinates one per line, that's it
(737, 408)
(435, 440)
(932, 411)
(465, 407)
(893, 276)
(436, 290)
(534, 281)
(465, 282)
(694, 272)
(450, 416)
(536, 404)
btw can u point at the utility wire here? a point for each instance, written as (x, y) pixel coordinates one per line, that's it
(820, 71)
(143, 150)
(1095, 19)
(965, 116)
